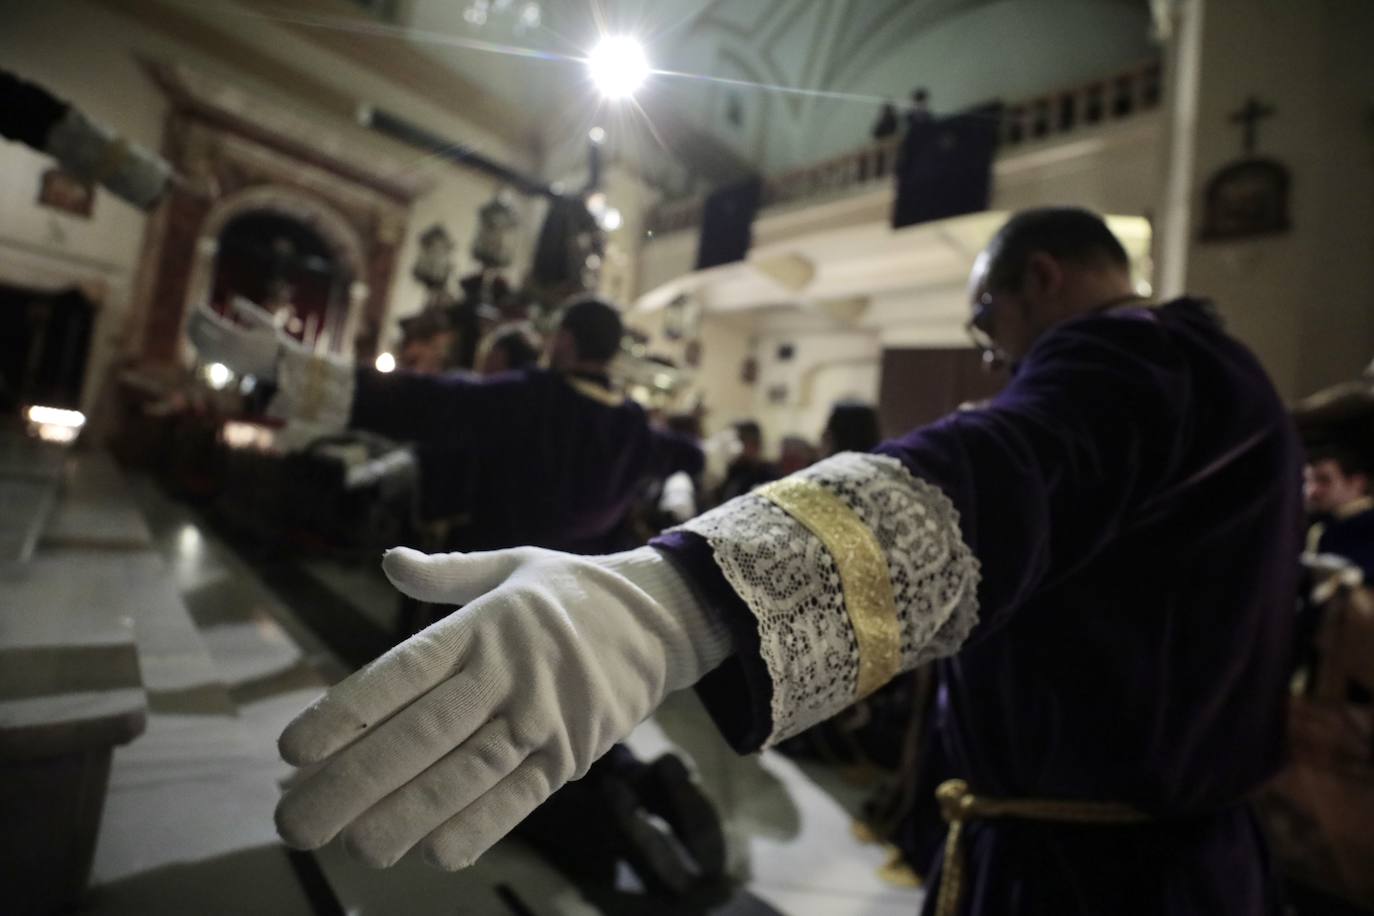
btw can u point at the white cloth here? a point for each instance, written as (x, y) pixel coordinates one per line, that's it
(314, 393)
(792, 585)
(254, 348)
(450, 739)
(678, 500)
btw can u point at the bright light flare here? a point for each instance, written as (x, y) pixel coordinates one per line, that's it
(385, 363)
(56, 416)
(62, 435)
(239, 435)
(618, 66)
(219, 376)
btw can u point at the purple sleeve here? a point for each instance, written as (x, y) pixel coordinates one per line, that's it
(414, 407)
(673, 452)
(1047, 473)
(737, 694)
(1041, 478)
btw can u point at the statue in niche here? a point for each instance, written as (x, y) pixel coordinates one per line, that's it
(494, 244)
(1248, 197)
(568, 255)
(434, 264)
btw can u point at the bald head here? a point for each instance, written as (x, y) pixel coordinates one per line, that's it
(1042, 267)
(1070, 235)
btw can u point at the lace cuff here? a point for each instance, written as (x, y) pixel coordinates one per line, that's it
(854, 570)
(315, 392)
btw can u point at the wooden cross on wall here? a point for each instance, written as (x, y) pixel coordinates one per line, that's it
(1249, 117)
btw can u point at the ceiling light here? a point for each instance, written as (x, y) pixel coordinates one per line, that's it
(386, 362)
(618, 66)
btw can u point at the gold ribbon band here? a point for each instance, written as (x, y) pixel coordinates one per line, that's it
(959, 805)
(312, 393)
(863, 574)
(595, 392)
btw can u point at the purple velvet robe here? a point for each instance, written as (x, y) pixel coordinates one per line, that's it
(532, 460)
(1133, 497)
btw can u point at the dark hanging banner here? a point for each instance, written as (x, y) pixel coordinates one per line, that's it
(727, 223)
(944, 167)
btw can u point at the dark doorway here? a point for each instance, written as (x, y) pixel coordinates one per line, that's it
(44, 347)
(920, 386)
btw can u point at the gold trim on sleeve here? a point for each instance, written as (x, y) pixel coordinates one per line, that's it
(312, 393)
(863, 572)
(595, 392)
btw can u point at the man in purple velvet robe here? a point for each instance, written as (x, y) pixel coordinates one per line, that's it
(1102, 559)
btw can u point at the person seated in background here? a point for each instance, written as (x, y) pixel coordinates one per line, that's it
(1336, 486)
(795, 453)
(852, 427)
(748, 470)
(507, 348)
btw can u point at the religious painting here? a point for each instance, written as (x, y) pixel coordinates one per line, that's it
(749, 370)
(682, 318)
(1246, 198)
(63, 191)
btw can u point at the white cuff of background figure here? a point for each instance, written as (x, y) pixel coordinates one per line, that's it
(92, 151)
(855, 571)
(314, 393)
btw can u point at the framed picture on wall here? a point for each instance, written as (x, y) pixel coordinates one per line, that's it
(64, 191)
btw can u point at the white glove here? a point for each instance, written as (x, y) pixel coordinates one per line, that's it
(254, 349)
(450, 739)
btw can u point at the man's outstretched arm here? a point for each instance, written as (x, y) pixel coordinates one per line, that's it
(809, 593)
(326, 393)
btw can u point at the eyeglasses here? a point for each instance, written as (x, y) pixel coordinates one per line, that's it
(979, 330)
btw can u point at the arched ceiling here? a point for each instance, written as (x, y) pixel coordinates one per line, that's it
(966, 51)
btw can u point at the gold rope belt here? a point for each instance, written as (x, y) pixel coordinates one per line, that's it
(958, 805)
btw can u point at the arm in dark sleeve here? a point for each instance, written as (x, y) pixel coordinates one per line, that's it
(1040, 479)
(673, 452)
(414, 407)
(1048, 473)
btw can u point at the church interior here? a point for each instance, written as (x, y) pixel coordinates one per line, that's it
(782, 201)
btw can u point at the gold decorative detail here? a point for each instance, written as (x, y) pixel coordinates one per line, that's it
(958, 806)
(595, 392)
(312, 397)
(896, 872)
(863, 574)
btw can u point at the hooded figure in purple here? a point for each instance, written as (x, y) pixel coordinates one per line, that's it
(1133, 501)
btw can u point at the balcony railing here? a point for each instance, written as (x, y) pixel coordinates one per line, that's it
(1062, 111)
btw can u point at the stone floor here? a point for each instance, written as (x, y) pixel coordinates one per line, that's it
(188, 825)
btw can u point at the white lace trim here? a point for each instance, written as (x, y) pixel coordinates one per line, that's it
(315, 395)
(789, 581)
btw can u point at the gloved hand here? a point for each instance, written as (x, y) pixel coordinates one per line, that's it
(450, 739)
(254, 349)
